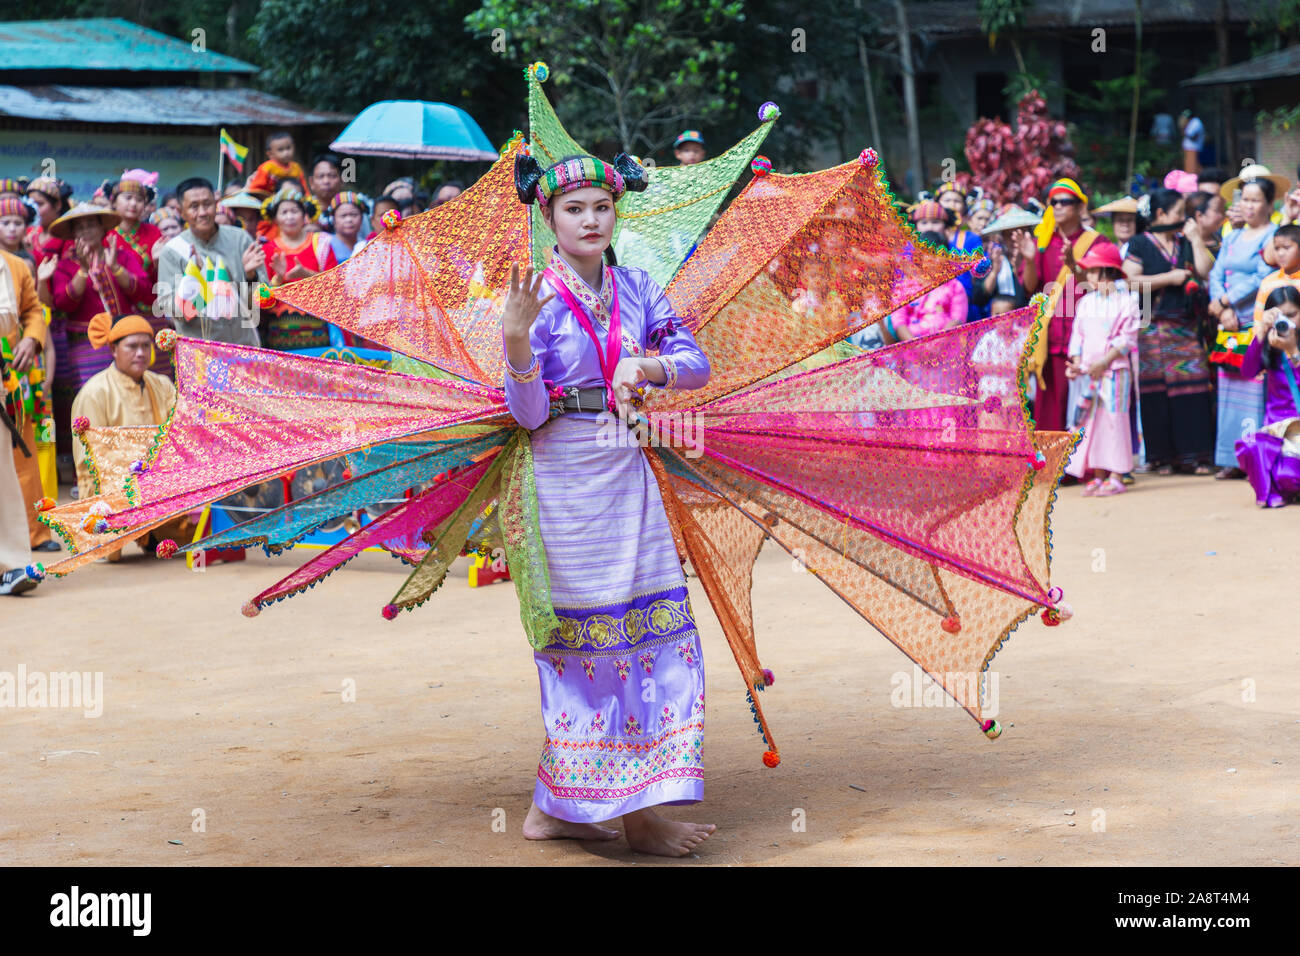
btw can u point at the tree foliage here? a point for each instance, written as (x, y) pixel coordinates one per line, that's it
(641, 70)
(625, 73)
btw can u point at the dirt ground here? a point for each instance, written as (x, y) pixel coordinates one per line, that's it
(1160, 726)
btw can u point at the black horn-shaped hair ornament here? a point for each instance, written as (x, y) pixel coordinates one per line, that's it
(633, 173)
(527, 173)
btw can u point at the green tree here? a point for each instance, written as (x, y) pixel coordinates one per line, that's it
(345, 54)
(1004, 18)
(224, 22)
(632, 74)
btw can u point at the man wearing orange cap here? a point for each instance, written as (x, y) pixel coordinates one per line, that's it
(22, 322)
(125, 393)
(1052, 268)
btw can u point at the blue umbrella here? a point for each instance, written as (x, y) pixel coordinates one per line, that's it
(415, 129)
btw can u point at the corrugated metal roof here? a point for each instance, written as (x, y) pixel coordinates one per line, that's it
(1270, 66)
(958, 18)
(159, 105)
(104, 44)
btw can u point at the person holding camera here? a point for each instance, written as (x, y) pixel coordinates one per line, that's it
(1271, 456)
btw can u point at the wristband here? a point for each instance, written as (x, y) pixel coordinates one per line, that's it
(526, 376)
(670, 369)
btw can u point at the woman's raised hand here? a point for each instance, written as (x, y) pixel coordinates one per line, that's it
(522, 303)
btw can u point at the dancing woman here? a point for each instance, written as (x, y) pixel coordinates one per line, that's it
(622, 679)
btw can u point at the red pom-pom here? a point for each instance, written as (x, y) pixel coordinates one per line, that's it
(166, 548)
(951, 624)
(771, 758)
(250, 609)
(868, 157)
(1038, 461)
(45, 504)
(1051, 617)
(80, 424)
(761, 165)
(391, 218)
(390, 611)
(768, 677)
(347, 474)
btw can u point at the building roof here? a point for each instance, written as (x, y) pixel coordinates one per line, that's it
(159, 105)
(104, 44)
(1270, 66)
(954, 18)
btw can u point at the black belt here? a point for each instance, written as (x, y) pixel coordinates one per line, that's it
(585, 399)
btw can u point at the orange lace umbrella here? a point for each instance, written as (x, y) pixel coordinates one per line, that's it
(909, 479)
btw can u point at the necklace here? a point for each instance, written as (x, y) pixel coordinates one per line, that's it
(130, 239)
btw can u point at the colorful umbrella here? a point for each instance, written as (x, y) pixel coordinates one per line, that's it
(415, 129)
(909, 479)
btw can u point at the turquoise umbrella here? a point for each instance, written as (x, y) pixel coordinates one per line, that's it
(415, 129)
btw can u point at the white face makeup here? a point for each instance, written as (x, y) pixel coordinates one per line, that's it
(583, 220)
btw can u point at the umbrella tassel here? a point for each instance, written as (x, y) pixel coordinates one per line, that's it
(771, 756)
(952, 621)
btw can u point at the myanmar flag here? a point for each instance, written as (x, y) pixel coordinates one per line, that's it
(233, 151)
(192, 291)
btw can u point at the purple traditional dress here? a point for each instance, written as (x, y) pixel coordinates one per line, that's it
(622, 680)
(1270, 457)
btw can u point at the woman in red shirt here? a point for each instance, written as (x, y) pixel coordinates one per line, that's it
(294, 254)
(136, 238)
(92, 277)
(53, 198)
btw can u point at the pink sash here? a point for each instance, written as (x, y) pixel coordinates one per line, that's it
(613, 335)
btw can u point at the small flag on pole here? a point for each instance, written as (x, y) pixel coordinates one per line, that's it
(233, 151)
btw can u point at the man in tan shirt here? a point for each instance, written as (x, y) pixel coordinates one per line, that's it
(22, 321)
(126, 392)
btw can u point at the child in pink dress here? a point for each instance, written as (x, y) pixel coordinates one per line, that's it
(1104, 335)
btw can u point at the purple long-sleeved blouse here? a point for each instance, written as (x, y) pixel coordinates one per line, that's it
(567, 355)
(1278, 401)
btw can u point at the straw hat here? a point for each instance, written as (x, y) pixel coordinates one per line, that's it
(242, 201)
(61, 228)
(1125, 204)
(1013, 217)
(1248, 175)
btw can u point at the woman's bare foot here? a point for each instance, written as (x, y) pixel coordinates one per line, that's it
(543, 826)
(651, 833)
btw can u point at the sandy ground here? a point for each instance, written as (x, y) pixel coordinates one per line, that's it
(1160, 726)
